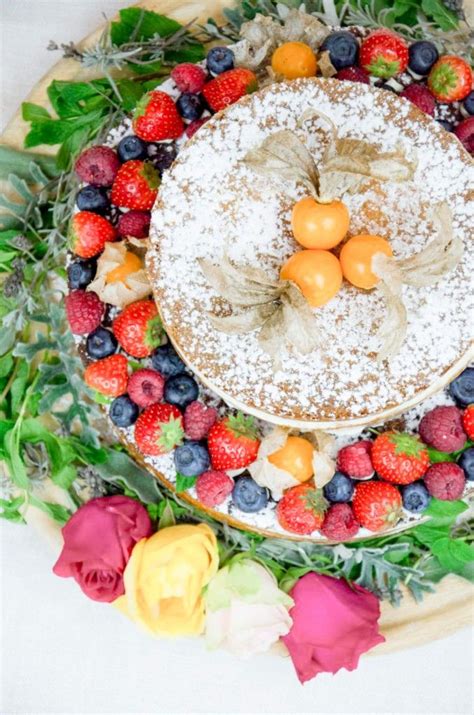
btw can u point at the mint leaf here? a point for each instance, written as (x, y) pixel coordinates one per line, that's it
(141, 25)
(34, 113)
(453, 554)
(183, 483)
(445, 511)
(436, 456)
(437, 10)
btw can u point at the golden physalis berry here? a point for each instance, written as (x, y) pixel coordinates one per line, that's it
(356, 259)
(131, 264)
(295, 457)
(317, 274)
(318, 225)
(293, 60)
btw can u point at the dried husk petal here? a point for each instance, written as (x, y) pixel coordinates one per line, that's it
(325, 65)
(119, 293)
(425, 268)
(347, 164)
(278, 308)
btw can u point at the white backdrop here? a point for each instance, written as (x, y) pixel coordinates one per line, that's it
(61, 653)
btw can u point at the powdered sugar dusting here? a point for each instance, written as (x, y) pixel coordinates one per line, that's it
(211, 204)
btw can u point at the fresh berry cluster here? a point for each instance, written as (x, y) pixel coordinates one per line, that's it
(440, 86)
(149, 391)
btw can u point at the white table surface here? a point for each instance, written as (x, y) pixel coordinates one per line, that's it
(61, 653)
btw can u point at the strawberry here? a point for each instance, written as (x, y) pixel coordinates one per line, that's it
(301, 509)
(136, 185)
(468, 421)
(450, 79)
(399, 457)
(108, 376)
(84, 311)
(228, 87)
(88, 234)
(159, 429)
(138, 328)
(233, 442)
(383, 54)
(156, 118)
(376, 505)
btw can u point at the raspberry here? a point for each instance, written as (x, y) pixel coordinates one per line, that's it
(98, 166)
(442, 429)
(354, 74)
(421, 97)
(188, 77)
(145, 387)
(355, 460)
(198, 420)
(134, 223)
(339, 523)
(468, 421)
(84, 311)
(445, 480)
(465, 133)
(213, 487)
(192, 128)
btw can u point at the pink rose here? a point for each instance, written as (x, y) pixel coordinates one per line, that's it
(98, 541)
(333, 624)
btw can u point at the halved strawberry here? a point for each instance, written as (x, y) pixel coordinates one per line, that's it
(138, 328)
(383, 54)
(377, 505)
(88, 234)
(156, 118)
(228, 87)
(135, 185)
(159, 429)
(108, 376)
(450, 79)
(233, 442)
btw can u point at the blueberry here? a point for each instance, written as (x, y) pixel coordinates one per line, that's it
(415, 497)
(101, 343)
(462, 388)
(343, 49)
(191, 459)
(81, 273)
(190, 106)
(123, 411)
(162, 155)
(422, 56)
(339, 489)
(220, 59)
(446, 125)
(466, 462)
(468, 103)
(248, 496)
(166, 361)
(181, 390)
(131, 147)
(92, 198)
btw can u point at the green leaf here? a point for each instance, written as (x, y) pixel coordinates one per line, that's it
(453, 554)
(120, 468)
(436, 456)
(167, 517)
(436, 9)
(130, 93)
(183, 483)
(34, 112)
(18, 388)
(9, 510)
(56, 511)
(445, 512)
(18, 162)
(6, 364)
(142, 25)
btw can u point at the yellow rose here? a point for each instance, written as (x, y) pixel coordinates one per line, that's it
(164, 579)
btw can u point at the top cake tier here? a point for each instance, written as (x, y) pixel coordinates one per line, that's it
(211, 205)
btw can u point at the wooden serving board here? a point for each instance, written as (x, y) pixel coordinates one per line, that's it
(411, 624)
